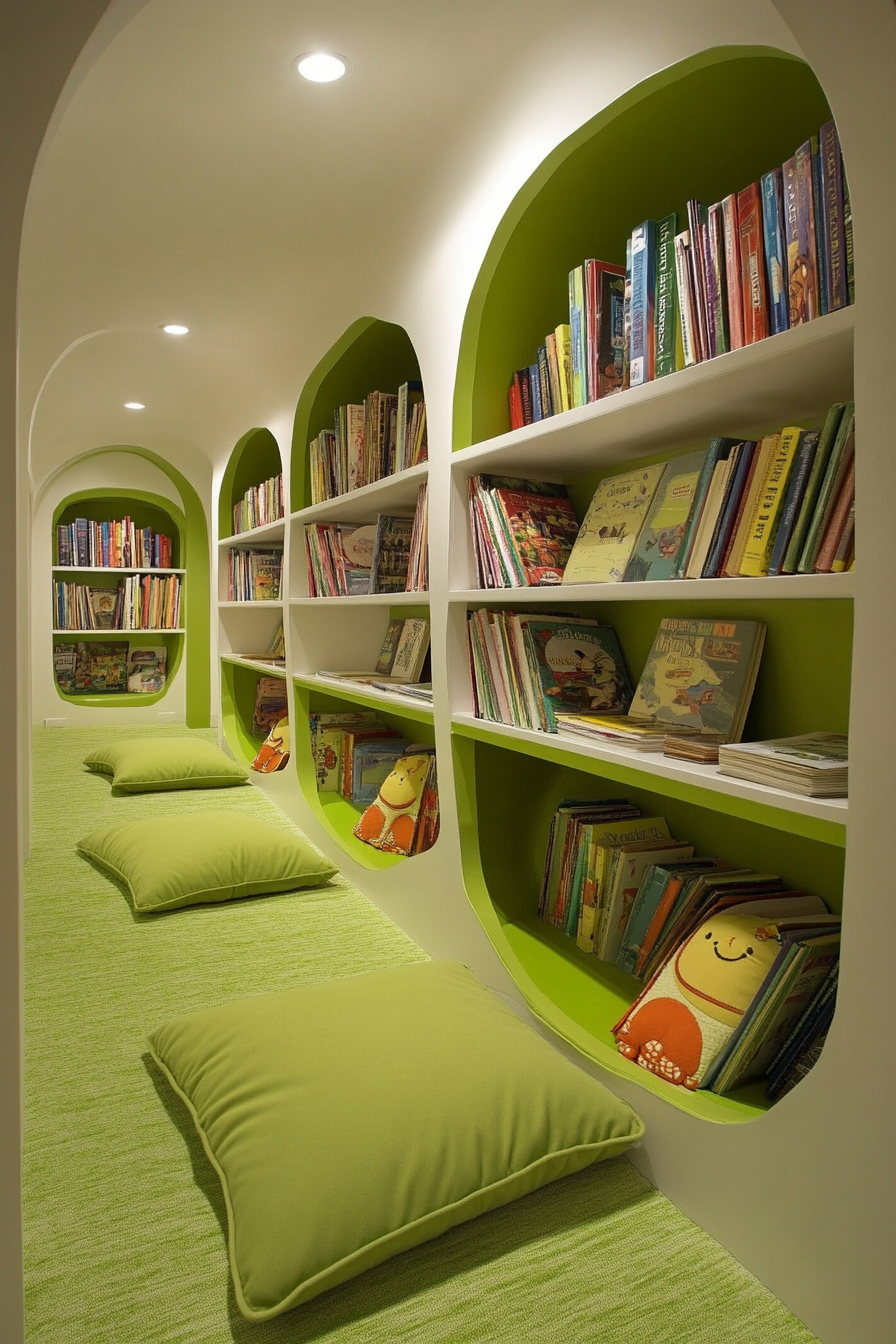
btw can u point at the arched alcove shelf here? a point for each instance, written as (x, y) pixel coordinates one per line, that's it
(684, 133)
(255, 458)
(146, 509)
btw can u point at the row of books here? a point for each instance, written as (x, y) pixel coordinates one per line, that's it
(402, 661)
(366, 761)
(93, 667)
(631, 894)
(116, 544)
(253, 576)
(261, 504)
(388, 556)
(146, 602)
(782, 504)
(772, 256)
(369, 441)
(567, 673)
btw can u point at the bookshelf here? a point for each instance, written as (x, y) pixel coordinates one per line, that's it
(343, 633)
(508, 781)
(146, 510)
(246, 627)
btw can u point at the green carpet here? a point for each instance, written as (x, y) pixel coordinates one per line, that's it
(124, 1221)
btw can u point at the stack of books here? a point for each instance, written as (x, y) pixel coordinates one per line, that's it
(523, 531)
(93, 667)
(771, 256)
(815, 765)
(528, 667)
(253, 576)
(418, 560)
(117, 544)
(260, 504)
(369, 441)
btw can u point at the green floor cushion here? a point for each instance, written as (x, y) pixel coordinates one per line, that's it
(146, 765)
(353, 1119)
(167, 862)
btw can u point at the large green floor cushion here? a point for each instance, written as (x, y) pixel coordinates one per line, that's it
(199, 857)
(148, 765)
(353, 1119)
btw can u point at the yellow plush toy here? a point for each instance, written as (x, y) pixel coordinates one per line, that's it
(684, 1017)
(390, 822)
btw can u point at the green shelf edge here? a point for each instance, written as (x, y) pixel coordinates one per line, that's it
(527, 952)
(763, 814)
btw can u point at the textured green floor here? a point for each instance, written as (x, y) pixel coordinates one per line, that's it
(124, 1219)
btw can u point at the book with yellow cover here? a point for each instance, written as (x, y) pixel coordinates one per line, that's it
(612, 525)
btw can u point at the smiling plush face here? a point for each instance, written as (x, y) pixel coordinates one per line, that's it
(722, 965)
(403, 786)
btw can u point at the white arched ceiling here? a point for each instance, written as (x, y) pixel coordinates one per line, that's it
(190, 176)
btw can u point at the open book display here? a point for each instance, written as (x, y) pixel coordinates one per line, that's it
(401, 661)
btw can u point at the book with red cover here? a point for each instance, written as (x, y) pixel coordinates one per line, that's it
(541, 531)
(752, 264)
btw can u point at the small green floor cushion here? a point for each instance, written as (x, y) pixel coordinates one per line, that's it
(197, 857)
(148, 765)
(353, 1119)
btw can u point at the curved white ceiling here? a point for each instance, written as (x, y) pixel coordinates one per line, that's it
(191, 176)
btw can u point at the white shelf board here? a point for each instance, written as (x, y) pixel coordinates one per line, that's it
(269, 669)
(117, 634)
(784, 586)
(113, 569)
(269, 603)
(364, 600)
(781, 380)
(267, 532)
(666, 767)
(348, 688)
(362, 505)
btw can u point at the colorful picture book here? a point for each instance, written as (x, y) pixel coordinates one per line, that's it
(253, 576)
(612, 525)
(527, 667)
(523, 531)
(271, 705)
(391, 554)
(700, 674)
(101, 667)
(326, 730)
(147, 666)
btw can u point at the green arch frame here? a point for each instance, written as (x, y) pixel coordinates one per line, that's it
(255, 458)
(680, 126)
(369, 352)
(195, 560)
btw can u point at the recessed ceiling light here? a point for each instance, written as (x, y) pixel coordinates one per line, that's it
(321, 67)
(175, 329)
(134, 406)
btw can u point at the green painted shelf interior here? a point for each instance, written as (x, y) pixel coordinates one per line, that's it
(371, 356)
(337, 814)
(146, 510)
(239, 684)
(680, 134)
(506, 800)
(255, 458)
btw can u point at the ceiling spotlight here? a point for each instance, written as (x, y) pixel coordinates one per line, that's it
(134, 406)
(321, 67)
(175, 329)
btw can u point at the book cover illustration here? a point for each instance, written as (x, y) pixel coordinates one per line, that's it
(580, 665)
(542, 531)
(355, 547)
(391, 554)
(65, 657)
(372, 762)
(103, 605)
(101, 667)
(700, 673)
(270, 704)
(147, 668)
(664, 528)
(326, 743)
(610, 531)
(386, 657)
(391, 821)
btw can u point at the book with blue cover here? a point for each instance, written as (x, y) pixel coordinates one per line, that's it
(641, 343)
(770, 186)
(662, 534)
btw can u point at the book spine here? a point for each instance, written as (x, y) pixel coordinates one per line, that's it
(696, 260)
(732, 273)
(832, 206)
(796, 487)
(834, 472)
(848, 252)
(837, 522)
(728, 513)
(666, 334)
(643, 249)
(759, 546)
(775, 256)
(535, 394)
(729, 566)
(799, 231)
(515, 402)
(627, 317)
(550, 343)
(544, 381)
(712, 456)
(685, 299)
(821, 258)
(577, 335)
(611, 331)
(752, 264)
(845, 544)
(564, 364)
(718, 297)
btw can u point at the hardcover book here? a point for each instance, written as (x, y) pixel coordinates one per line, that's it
(641, 346)
(758, 550)
(372, 762)
(668, 354)
(391, 553)
(799, 233)
(580, 666)
(775, 250)
(663, 530)
(752, 264)
(577, 340)
(701, 673)
(541, 531)
(101, 668)
(612, 525)
(146, 668)
(832, 204)
(604, 295)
